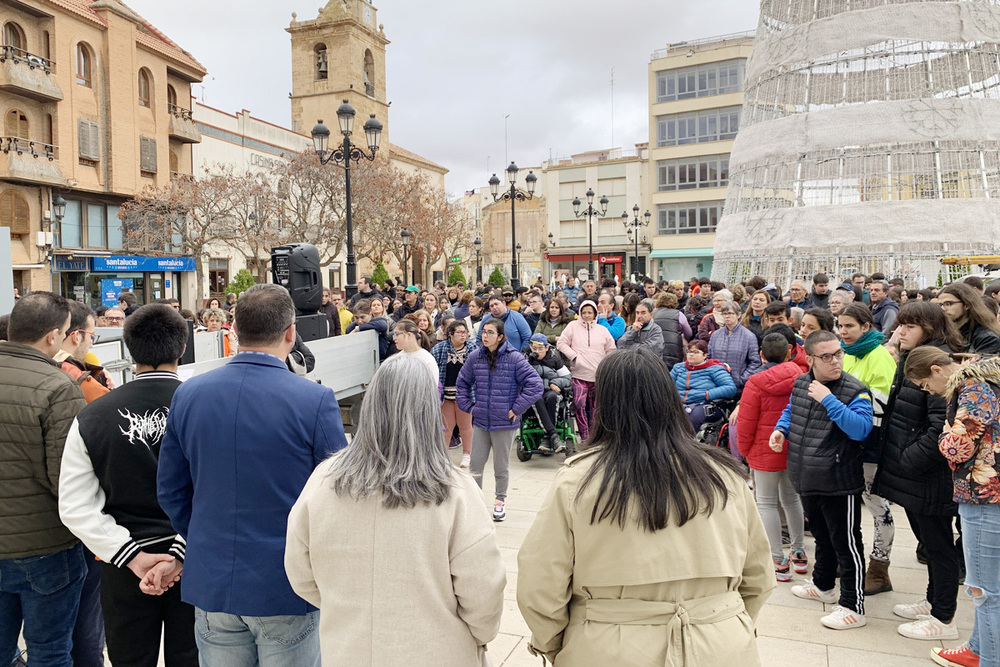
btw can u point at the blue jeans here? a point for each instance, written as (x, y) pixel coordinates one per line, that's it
(227, 640)
(88, 635)
(981, 542)
(43, 592)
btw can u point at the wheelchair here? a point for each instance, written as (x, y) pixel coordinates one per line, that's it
(531, 434)
(714, 432)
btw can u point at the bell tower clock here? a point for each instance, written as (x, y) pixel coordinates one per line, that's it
(339, 55)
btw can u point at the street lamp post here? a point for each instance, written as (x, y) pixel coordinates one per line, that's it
(58, 211)
(632, 227)
(589, 213)
(478, 244)
(517, 250)
(512, 194)
(405, 234)
(343, 155)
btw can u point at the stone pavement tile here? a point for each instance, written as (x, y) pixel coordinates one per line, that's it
(502, 646)
(509, 557)
(510, 590)
(776, 652)
(520, 657)
(511, 623)
(848, 657)
(801, 625)
(880, 606)
(782, 596)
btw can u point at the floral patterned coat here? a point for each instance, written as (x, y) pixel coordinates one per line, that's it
(973, 441)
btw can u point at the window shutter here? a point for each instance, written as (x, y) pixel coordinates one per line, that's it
(14, 213)
(147, 155)
(88, 139)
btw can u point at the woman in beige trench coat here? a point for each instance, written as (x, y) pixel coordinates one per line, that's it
(648, 550)
(393, 543)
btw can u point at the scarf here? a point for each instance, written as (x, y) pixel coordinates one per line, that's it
(868, 342)
(703, 365)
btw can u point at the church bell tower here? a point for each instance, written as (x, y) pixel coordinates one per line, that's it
(339, 55)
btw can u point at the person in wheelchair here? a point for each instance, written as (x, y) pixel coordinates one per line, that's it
(700, 381)
(556, 380)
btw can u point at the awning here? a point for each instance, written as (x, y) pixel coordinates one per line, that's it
(681, 252)
(28, 266)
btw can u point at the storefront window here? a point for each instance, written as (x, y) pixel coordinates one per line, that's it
(115, 236)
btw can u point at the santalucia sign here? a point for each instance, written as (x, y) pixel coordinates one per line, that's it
(139, 264)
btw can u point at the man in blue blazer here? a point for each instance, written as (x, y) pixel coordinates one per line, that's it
(240, 443)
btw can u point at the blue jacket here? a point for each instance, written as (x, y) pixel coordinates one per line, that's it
(614, 324)
(240, 443)
(711, 377)
(738, 349)
(513, 385)
(515, 328)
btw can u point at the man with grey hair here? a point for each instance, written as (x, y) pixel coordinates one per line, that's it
(884, 309)
(239, 445)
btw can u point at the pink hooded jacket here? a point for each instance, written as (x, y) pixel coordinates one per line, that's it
(585, 344)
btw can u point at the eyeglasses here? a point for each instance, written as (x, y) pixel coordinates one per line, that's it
(114, 319)
(94, 337)
(399, 333)
(487, 332)
(828, 358)
(946, 304)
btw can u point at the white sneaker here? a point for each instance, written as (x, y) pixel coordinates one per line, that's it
(498, 511)
(466, 460)
(912, 611)
(842, 618)
(928, 627)
(808, 591)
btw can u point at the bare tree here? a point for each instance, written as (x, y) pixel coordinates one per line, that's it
(313, 204)
(259, 220)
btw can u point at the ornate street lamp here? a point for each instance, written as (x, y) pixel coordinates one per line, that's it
(589, 213)
(478, 244)
(632, 227)
(517, 250)
(343, 155)
(405, 234)
(512, 194)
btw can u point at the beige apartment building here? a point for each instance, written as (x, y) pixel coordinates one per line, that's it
(96, 105)
(695, 98)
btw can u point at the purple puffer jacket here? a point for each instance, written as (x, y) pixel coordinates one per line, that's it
(513, 385)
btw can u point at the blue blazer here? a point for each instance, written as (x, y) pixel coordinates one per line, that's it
(240, 443)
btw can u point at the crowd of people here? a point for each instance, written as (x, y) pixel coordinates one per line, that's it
(713, 419)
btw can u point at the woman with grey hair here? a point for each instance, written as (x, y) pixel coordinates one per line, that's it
(735, 345)
(433, 580)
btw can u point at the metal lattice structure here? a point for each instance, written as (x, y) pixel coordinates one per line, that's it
(869, 140)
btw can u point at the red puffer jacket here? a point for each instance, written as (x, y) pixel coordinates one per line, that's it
(765, 396)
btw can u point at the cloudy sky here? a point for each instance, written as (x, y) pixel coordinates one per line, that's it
(456, 68)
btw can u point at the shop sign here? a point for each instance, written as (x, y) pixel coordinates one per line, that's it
(69, 263)
(138, 264)
(111, 288)
(606, 259)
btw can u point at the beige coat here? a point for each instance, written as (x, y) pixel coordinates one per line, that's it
(421, 586)
(598, 595)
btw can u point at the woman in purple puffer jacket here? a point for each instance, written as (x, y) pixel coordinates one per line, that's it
(505, 387)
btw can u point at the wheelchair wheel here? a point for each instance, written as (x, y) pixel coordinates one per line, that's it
(523, 453)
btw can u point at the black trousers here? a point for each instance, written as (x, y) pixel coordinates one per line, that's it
(943, 559)
(133, 622)
(835, 522)
(546, 409)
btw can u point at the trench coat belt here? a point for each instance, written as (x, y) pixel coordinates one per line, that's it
(677, 616)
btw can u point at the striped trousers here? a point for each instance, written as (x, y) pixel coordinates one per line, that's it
(835, 522)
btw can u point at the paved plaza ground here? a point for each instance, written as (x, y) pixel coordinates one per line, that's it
(789, 629)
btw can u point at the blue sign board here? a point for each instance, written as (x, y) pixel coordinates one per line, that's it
(111, 288)
(138, 264)
(69, 263)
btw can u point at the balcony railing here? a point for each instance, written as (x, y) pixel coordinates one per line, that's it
(22, 146)
(180, 112)
(17, 56)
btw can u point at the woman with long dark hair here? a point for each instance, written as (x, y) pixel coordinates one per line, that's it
(649, 548)
(969, 443)
(977, 324)
(497, 385)
(753, 316)
(913, 474)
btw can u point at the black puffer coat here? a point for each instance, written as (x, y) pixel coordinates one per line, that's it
(673, 339)
(911, 470)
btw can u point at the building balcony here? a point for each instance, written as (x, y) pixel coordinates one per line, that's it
(182, 125)
(28, 75)
(29, 161)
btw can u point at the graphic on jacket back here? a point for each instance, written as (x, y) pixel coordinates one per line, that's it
(147, 428)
